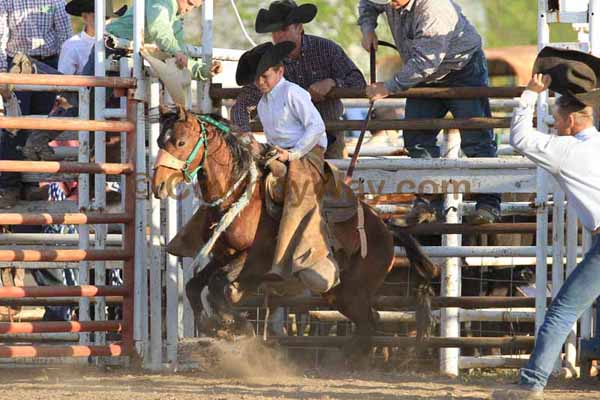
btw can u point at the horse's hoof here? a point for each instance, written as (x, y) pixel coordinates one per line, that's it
(233, 294)
(357, 351)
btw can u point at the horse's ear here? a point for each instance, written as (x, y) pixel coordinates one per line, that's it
(181, 113)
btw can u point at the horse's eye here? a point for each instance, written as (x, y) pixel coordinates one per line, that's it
(181, 143)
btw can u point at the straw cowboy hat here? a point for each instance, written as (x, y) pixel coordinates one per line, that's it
(282, 13)
(177, 81)
(77, 7)
(256, 61)
(574, 73)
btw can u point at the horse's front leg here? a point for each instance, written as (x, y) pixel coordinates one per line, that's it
(196, 289)
(221, 293)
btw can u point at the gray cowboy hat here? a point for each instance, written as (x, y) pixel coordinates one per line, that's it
(282, 13)
(77, 7)
(574, 73)
(256, 61)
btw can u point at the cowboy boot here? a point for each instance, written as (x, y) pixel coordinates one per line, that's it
(421, 213)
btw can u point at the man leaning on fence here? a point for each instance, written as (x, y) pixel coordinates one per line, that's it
(571, 157)
(38, 29)
(440, 48)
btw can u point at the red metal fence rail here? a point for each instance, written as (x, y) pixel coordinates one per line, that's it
(126, 254)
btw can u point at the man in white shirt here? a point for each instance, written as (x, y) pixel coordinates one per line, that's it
(571, 157)
(294, 127)
(75, 52)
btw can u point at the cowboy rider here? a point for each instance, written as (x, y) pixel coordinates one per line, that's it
(294, 127)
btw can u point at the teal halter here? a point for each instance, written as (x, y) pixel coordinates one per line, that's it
(202, 141)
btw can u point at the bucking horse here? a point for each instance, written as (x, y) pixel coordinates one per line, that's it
(237, 223)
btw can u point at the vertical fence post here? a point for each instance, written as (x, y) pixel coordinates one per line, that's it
(172, 283)
(188, 322)
(156, 259)
(558, 240)
(100, 157)
(83, 198)
(129, 233)
(451, 273)
(205, 102)
(141, 242)
(124, 73)
(542, 192)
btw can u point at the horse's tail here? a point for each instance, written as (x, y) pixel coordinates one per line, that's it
(427, 271)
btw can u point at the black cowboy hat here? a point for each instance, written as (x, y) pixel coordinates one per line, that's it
(77, 7)
(256, 61)
(574, 73)
(282, 13)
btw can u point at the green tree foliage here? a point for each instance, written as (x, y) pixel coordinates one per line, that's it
(514, 22)
(500, 22)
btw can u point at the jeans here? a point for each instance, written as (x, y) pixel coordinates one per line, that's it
(474, 143)
(32, 103)
(576, 295)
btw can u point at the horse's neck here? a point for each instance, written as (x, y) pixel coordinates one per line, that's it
(218, 171)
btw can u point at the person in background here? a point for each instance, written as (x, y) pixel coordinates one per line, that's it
(75, 52)
(571, 157)
(164, 28)
(440, 48)
(37, 29)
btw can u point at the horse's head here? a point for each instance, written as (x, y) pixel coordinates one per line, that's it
(185, 142)
(182, 144)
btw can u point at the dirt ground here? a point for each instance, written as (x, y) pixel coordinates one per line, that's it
(83, 384)
(253, 373)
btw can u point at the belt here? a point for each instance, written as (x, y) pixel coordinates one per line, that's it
(44, 58)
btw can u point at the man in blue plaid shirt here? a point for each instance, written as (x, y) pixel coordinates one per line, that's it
(38, 29)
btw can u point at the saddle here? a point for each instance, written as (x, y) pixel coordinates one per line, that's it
(339, 203)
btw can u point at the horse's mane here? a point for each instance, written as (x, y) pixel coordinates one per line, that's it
(240, 151)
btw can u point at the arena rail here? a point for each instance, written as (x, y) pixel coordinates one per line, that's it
(220, 93)
(12, 295)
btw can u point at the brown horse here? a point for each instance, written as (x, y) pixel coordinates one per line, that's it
(245, 250)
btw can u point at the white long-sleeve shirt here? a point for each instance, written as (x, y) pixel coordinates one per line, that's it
(75, 53)
(290, 119)
(572, 160)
